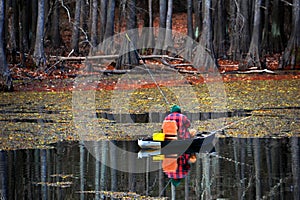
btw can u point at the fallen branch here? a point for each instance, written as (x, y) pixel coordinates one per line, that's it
(257, 71)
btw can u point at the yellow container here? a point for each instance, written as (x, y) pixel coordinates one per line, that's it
(158, 136)
(158, 157)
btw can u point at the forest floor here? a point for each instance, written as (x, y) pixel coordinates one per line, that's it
(41, 111)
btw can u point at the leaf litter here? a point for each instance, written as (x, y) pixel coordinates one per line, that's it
(37, 119)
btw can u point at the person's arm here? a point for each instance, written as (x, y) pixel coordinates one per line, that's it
(187, 122)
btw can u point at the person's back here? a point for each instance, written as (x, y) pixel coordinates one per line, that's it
(183, 123)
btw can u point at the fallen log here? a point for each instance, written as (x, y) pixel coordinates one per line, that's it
(81, 58)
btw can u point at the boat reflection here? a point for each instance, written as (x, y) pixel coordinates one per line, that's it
(177, 167)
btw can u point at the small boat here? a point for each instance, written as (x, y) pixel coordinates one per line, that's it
(203, 142)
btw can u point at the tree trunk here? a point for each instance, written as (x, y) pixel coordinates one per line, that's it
(245, 35)
(276, 40)
(162, 25)
(84, 15)
(128, 54)
(168, 43)
(25, 25)
(34, 14)
(220, 28)
(189, 40)
(103, 18)
(5, 77)
(198, 18)
(109, 30)
(75, 34)
(39, 55)
(94, 29)
(147, 36)
(233, 36)
(205, 57)
(56, 39)
(12, 41)
(266, 30)
(291, 55)
(190, 26)
(253, 57)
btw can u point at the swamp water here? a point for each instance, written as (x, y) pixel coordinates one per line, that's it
(236, 169)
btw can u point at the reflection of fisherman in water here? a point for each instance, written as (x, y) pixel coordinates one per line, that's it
(177, 168)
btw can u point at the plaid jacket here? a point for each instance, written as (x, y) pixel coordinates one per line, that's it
(183, 167)
(183, 123)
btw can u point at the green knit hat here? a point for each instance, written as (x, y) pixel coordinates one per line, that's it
(175, 182)
(175, 108)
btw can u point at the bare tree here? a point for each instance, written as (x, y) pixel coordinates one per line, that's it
(239, 28)
(76, 33)
(198, 18)
(168, 43)
(39, 54)
(205, 56)
(12, 41)
(109, 27)
(189, 40)
(219, 28)
(5, 77)
(94, 29)
(103, 17)
(275, 42)
(162, 25)
(253, 57)
(292, 51)
(55, 30)
(147, 39)
(128, 53)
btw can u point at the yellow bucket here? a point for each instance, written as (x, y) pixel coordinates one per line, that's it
(158, 136)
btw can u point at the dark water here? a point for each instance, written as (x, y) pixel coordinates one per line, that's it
(237, 169)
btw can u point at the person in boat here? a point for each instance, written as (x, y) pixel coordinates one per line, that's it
(182, 122)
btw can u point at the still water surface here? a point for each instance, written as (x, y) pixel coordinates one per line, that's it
(237, 169)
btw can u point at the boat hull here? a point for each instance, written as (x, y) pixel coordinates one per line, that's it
(198, 144)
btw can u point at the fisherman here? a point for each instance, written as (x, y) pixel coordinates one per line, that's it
(182, 122)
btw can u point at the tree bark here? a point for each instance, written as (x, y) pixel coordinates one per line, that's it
(75, 34)
(253, 57)
(34, 14)
(147, 40)
(291, 55)
(276, 34)
(94, 29)
(190, 26)
(39, 55)
(109, 30)
(84, 15)
(12, 41)
(205, 57)
(168, 43)
(245, 36)
(56, 39)
(128, 53)
(25, 25)
(220, 28)
(233, 36)
(189, 40)
(198, 18)
(103, 18)
(5, 77)
(162, 26)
